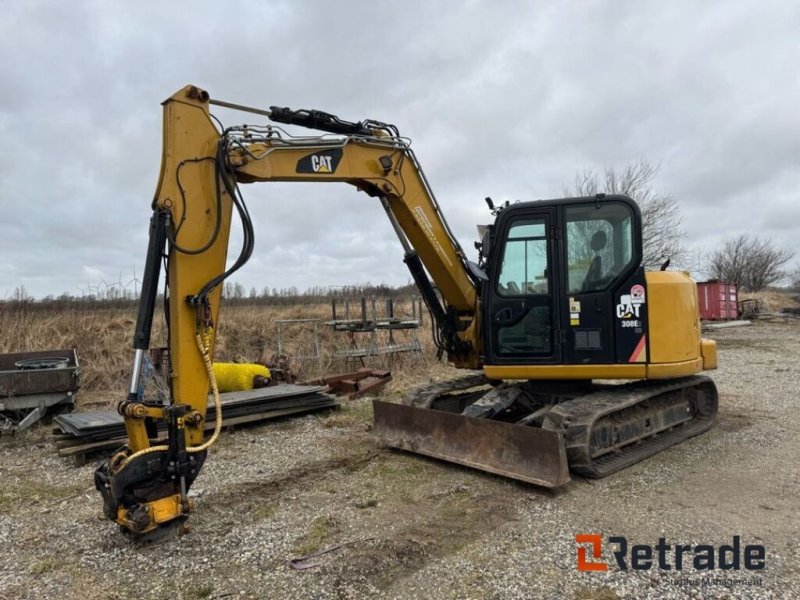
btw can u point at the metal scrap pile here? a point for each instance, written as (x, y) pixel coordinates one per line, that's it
(81, 433)
(102, 430)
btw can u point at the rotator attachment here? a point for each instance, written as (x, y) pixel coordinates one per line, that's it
(146, 490)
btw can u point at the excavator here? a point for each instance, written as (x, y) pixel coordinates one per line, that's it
(577, 360)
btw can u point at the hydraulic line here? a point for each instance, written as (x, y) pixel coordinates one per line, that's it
(247, 225)
(203, 347)
(151, 449)
(173, 237)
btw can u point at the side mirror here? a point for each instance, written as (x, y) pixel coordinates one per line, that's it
(486, 242)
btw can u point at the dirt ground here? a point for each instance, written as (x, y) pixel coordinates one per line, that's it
(418, 528)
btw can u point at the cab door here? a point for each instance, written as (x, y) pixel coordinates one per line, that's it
(519, 296)
(602, 254)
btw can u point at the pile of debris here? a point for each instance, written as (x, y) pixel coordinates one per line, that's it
(82, 433)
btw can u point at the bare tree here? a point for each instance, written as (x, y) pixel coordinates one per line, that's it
(661, 215)
(749, 262)
(794, 279)
(20, 295)
(232, 290)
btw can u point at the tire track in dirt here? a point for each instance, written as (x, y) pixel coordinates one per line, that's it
(239, 499)
(408, 535)
(442, 530)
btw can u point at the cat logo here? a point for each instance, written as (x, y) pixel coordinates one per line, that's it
(322, 162)
(628, 308)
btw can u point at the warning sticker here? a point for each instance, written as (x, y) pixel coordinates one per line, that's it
(637, 294)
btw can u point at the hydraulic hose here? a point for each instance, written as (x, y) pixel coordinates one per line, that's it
(203, 346)
(162, 447)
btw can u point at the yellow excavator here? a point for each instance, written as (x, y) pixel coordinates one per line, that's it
(557, 302)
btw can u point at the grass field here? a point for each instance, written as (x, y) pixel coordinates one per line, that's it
(103, 336)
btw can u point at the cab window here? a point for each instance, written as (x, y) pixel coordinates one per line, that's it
(599, 244)
(524, 267)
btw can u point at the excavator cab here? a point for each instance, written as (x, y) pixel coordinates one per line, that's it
(553, 280)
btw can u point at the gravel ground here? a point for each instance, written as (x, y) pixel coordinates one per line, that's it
(420, 528)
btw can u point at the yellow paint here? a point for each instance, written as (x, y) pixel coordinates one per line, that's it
(709, 351)
(158, 511)
(135, 427)
(166, 509)
(137, 434)
(673, 370)
(673, 318)
(405, 191)
(621, 371)
(190, 134)
(187, 188)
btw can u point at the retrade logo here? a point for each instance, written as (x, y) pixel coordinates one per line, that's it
(666, 557)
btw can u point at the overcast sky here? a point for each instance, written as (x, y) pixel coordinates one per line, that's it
(506, 99)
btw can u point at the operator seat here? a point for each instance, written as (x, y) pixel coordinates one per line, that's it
(595, 272)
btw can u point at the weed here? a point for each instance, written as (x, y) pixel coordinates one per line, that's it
(603, 593)
(339, 419)
(203, 590)
(349, 415)
(321, 529)
(7, 500)
(44, 565)
(101, 333)
(265, 511)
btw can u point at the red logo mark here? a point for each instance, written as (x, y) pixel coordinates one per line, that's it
(597, 551)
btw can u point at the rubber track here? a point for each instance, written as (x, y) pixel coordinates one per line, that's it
(424, 396)
(576, 418)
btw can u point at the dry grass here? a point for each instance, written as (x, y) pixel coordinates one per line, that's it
(772, 301)
(103, 338)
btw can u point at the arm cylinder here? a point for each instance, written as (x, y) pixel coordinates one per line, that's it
(152, 272)
(147, 299)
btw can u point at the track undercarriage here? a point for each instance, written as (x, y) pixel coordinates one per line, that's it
(538, 431)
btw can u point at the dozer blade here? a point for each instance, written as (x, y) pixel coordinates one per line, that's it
(526, 453)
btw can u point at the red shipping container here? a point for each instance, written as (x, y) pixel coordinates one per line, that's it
(718, 301)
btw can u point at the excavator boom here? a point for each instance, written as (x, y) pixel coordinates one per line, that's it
(145, 484)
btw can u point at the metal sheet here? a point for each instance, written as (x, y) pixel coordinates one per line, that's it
(100, 425)
(519, 452)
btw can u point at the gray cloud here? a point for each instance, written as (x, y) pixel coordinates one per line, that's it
(502, 99)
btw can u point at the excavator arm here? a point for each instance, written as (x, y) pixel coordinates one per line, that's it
(145, 484)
